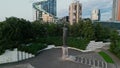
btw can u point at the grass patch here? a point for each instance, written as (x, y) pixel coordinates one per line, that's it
(106, 57)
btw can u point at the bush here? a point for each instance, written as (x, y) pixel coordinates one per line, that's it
(115, 43)
(78, 43)
(33, 48)
(71, 42)
(54, 40)
(1, 51)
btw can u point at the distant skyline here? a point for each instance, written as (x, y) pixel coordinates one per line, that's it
(23, 8)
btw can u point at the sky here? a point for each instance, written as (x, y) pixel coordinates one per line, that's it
(23, 8)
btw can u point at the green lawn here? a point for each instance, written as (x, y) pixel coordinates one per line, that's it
(106, 57)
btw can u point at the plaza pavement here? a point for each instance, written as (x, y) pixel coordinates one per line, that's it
(52, 59)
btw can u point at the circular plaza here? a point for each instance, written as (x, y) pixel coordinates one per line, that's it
(52, 58)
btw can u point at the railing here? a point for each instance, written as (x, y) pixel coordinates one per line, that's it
(91, 62)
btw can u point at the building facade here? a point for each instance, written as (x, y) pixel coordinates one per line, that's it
(38, 15)
(45, 10)
(116, 10)
(75, 12)
(64, 19)
(95, 16)
(47, 18)
(49, 6)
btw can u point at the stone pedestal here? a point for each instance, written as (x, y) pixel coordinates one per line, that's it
(64, 53)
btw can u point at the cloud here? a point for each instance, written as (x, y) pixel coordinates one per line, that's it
(23, 8)
(87, 6)
(105, 6)
(62, 7)
(106, 15)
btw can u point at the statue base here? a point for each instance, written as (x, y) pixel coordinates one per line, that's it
(64, 53)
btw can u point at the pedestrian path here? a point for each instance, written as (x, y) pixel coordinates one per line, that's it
(116, 59)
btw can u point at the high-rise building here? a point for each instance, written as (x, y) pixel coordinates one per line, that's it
(49, 6)
(45, 10)
(75, 12)
(47, 18)
(37, 15)
(116, 10)
(95, 15)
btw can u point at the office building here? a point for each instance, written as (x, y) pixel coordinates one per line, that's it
(116, 10)
(45, 10)
(95, 16)
(64, 19)
(49, 6)
(75, 12)
(47, 18)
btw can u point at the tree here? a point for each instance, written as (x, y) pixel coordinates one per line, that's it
(114, 40)
(2, 49)
(15, 31)
(54, 29)
(84, 29)
(39, 29)
(87, 29)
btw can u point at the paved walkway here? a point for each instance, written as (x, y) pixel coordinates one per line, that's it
(21, 66)
(115, 59)
(52, 59)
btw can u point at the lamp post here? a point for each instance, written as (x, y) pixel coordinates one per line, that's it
(64, 47)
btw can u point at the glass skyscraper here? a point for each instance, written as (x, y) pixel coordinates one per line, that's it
(49, 6)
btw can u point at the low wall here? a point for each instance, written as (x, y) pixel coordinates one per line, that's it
(15, 55)
(96, 45)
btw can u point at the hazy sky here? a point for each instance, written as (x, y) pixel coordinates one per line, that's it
(23, 8)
